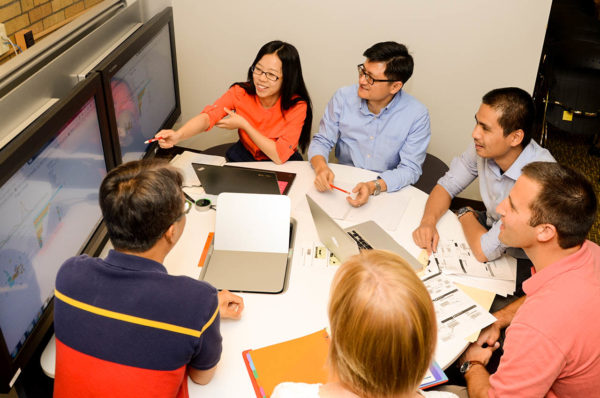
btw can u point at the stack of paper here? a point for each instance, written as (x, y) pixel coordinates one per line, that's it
(457, 261)
(458, 315)
(184, 163)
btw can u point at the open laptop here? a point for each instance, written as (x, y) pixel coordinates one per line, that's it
(218, 179)
(249, 272)
(251, 251)
(344, 243)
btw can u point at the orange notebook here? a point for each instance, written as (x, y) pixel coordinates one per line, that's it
(301, 360)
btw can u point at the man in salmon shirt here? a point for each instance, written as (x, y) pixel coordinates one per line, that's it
(552, 345)
(374, 125)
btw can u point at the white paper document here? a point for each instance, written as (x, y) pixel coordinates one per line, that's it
(458, 315)
(456, 258)
(333, 202)
(498, 286)
(385, 209)
(184, 163)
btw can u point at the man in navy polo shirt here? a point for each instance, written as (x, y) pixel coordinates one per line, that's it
(124, 326)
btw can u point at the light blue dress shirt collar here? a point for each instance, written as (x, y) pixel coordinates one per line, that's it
(364, 105)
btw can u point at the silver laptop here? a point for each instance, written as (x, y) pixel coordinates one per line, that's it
(248, 272)
(251, 252)
(344, 243)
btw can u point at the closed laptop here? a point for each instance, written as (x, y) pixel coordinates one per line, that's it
(219, 179)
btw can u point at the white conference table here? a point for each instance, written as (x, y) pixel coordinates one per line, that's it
(302, 308)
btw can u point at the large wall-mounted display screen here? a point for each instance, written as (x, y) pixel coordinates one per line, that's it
(141, 85)
(143, 94)
(49, 209)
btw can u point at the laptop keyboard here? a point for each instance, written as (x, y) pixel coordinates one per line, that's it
(362, 244)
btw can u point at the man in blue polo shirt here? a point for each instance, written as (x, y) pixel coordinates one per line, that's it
(124, 326)
(374, 125)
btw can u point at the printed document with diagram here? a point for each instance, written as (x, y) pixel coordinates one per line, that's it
(457, 258)
(458, 315)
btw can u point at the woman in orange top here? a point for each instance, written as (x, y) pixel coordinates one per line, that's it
(271, 110)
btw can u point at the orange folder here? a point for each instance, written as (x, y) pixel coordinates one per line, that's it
(302, 360)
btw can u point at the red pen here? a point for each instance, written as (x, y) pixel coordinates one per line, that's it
(339, 189)
(152, 140)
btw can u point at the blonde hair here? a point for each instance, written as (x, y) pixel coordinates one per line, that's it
(383, 328)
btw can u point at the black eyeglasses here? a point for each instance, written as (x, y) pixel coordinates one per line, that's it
(257, 72)
(187, 206)
(370, 79)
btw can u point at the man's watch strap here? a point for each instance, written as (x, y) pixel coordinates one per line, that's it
(464, 368)
(377, 190)
(464, 210)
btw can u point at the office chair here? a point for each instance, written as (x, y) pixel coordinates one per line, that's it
(218, 150)
(433, 170)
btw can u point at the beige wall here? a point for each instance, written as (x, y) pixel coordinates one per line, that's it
(462, 49)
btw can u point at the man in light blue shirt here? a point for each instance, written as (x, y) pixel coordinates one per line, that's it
(374, 125)
(501, 146)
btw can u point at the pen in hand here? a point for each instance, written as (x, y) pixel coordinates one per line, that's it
(151, 140)
(339, 189)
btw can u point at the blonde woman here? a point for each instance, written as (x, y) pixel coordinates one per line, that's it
(383, 332)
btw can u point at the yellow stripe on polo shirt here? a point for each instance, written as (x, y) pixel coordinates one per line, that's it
(134, 319)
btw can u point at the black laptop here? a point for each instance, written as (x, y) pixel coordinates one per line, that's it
(217, 179)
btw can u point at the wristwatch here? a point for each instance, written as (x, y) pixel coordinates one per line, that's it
(464, 368)
(377, 190)
(464, 210)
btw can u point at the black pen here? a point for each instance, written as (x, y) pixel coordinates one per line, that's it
(188, 197)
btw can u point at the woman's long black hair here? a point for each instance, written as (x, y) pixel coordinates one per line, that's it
(293, 88)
